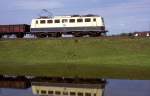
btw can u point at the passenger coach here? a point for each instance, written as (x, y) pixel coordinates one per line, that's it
(75, 25)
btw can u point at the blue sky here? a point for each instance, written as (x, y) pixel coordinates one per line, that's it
(120, 15)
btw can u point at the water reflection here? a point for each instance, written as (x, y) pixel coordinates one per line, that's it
(68, 89)
(128, 88)
(45, 86)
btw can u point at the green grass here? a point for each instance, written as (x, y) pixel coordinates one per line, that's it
(121, 58)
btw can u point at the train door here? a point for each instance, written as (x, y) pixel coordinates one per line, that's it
(95, 21)
(36, 22)
(64, 24)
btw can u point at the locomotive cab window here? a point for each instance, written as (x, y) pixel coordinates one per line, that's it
(94, 19)
(57, 21)
(87, 20)
(42, 21)
(79, 20)
(49, 21)
(72, 20)
(64, 20)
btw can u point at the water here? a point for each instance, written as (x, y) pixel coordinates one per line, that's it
(128, 88)
(112, 88)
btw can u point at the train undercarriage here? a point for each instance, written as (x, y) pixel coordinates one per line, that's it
(16, 35)
(54, 34)
(74, 34)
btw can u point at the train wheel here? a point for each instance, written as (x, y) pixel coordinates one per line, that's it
(49, 35)
(94, 34)
(77, 34)
(41, 35)
(38, 36)
(20, 35)
(58, 34)
(52, 35)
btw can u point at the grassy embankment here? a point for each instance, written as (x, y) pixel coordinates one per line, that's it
(82, 57)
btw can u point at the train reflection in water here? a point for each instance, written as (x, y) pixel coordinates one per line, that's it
(56, 86)
(80, 87)
(19, 82)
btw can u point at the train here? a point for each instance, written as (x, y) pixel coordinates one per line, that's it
(42, 27)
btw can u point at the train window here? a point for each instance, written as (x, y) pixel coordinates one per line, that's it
(36, 21)
(64, 20)
(103, 20)
(72, 93)
(79, 20)
(37, 91)
(72, 20)
(65, 93)
(94, 20)
(57, 21)
(87, 94)
(87, 20)
(43, 92)
(80, 94)
(50, 92)
(42, 21)
(49, 21)
(57, 92)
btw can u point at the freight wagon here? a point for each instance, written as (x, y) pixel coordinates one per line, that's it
(19, 30)
(142, 34)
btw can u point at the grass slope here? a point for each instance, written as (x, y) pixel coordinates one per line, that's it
(80, 57)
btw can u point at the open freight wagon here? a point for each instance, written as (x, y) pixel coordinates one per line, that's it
(19, 30)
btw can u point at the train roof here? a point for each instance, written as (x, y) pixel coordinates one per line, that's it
(75, 85)
(69, 16)
(14, 25)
